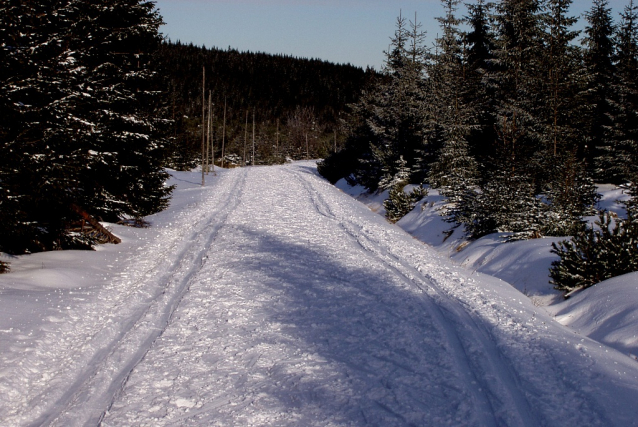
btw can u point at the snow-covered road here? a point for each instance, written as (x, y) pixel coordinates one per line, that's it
(274, 299)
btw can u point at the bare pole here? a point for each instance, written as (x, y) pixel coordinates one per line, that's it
(212, 144)
(335, 140)
(277, 140)
(208, 133)
(203, 122)
(253, 161)
(224, 134)
(245, 137)
(307, 151)
(212, 138)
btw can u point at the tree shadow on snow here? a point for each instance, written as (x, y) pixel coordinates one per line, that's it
(361, 349)
(361, 345)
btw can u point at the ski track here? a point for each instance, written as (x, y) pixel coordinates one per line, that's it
(308, 314)
(276, 301)
(498, 396)
(136, 310)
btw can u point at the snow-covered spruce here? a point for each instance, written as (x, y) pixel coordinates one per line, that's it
(79, 120)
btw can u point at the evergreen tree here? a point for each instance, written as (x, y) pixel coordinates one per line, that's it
(73, 77)
(518, 80)
(571, 195)
(506, 201)
(400, 203)
(41, 153)
(624, 158)
(561, 61)
(455, 169)
(118, 38)
(596, 97)
(518, 72)
(566, 183)
(397, 176)
(480, 39)
(367, 170)
(480, 43)
(397, 121)
(596, 254)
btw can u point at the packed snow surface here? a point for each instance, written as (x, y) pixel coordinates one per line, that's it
(269, 297)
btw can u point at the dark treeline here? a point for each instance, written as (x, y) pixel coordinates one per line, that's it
(512, 115)
(292, 99)
(94, 105)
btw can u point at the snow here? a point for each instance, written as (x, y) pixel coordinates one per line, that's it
(607, 312)
(269, 297)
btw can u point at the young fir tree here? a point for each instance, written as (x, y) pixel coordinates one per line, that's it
(398, 176)
(625, 98)
(400, 203)
(397, 119)
(455, 169)
(480, 45)
(506, 201)
(595, 98)
(597, 254)
(356, 158)
(571, 195)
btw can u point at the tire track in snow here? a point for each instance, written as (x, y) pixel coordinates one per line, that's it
(118, 348)
(499, 394)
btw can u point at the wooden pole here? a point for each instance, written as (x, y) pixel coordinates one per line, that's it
(211, 136)
(208, 134)
(253, 161)
(203, 122)
(223, 134)
(245, 137)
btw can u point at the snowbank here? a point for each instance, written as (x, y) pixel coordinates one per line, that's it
(607, 312)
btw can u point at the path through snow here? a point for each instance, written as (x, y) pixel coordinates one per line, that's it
(280, 301)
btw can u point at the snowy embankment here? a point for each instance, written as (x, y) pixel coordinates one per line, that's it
(268, 297)
(607, 312)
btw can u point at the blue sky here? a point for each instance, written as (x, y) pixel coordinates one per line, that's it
(344, 31)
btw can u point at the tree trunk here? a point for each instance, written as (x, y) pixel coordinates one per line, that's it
(111, 238)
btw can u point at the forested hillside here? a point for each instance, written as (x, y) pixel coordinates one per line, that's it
(297, 103)
(513, 115)
(95, 104)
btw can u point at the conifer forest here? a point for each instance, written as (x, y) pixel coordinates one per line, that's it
(514, 117)
(511, 113)
(96, 104)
